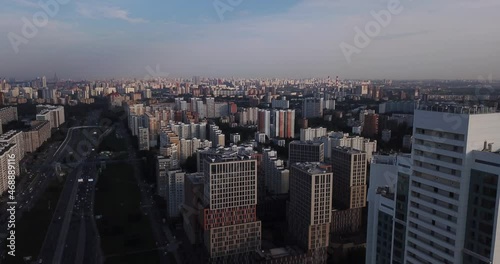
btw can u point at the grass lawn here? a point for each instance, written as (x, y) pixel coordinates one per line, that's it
(32, 227)
(123, 228)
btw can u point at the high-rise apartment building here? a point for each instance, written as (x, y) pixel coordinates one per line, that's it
(310, 207)
(143, 138)
(8, 114)
(284, 123)
(387, 199)
(163, 165)
(349, 190)
(451, 186)
(231, 229)
(350, 178)
(264, 122)
(340, 139)
(15, 137)
(307, 134)
(36, 135)
(53, 114)
(370, 125)
(210, 105)
(274, 172)
(446, 210)
(175, 192)
(312, 107)
(282, 103)
(306, 151)
(6, 152)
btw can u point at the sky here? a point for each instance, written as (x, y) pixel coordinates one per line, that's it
(97, 39)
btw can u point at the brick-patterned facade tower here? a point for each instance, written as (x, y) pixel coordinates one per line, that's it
(309, 208)
(231, 229)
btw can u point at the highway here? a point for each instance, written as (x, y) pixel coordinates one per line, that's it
(166, 242)
(79, 246)
(74, 209)
(37, 177)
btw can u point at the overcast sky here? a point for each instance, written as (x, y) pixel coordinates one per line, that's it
(427, 39)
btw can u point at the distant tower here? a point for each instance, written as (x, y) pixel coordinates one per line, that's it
(55, 78)
(44, 81)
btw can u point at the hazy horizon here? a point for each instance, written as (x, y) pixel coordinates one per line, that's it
(447, 40)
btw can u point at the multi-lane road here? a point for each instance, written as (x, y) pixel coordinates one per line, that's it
(165, 241)
(72, 224)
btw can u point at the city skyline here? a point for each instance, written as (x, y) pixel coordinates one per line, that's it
(251, 39)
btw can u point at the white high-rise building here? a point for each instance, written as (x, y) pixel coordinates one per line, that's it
(175, 192)
(276, 175)
(440, 186)
(339, 139)
(446, 207)
(6, 152)
(308, 134)
(264, 122)
(282, 103)
(387, 197)
(163, 165)
(15, 137)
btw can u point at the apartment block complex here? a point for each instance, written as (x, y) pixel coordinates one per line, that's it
(15, 137)
(6, 150)
(8, 114)
(37, 135)
(53, 114)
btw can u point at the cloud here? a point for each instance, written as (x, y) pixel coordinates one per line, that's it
(96, 11)
(301, 41)
(26, 3)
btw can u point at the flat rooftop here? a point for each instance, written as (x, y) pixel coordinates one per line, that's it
(196, 178)
(309, 142)
(457, 108)
(313, 167)
(4, 147)
(9, 134)
(348, 150)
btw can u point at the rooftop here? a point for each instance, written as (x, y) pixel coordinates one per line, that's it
(7, 108)
(276, 253)
(35, 125)
(313, 167)
(196, 178)
(309, 142)
(348, 150)
(4, 147)
(384, 159)
(457, 108)
(9, 134)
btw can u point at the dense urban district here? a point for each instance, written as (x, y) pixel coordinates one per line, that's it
(208, 170)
